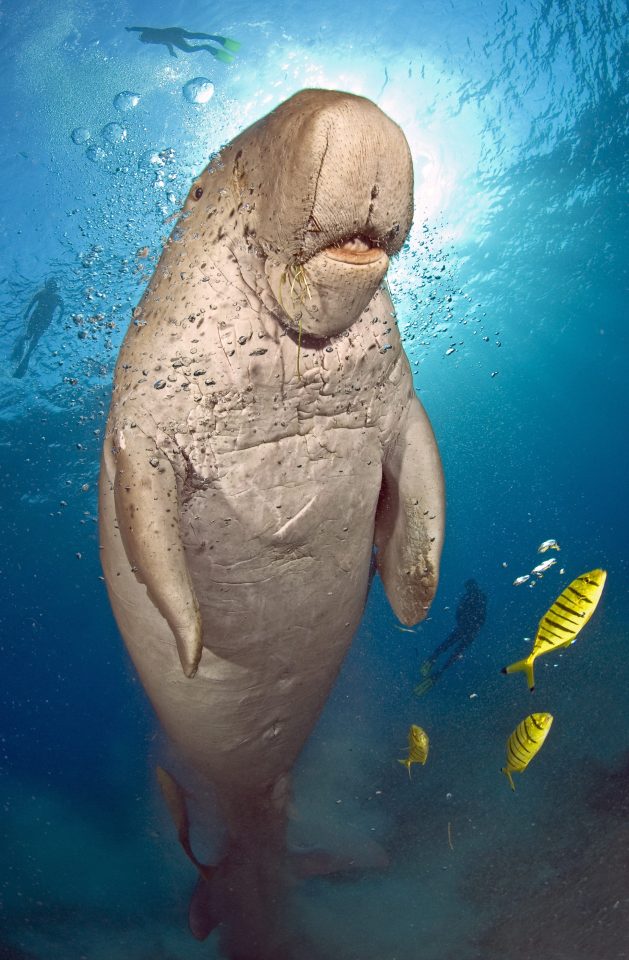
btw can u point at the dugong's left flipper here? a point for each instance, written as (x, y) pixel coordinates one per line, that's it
(410, 518)
(147, 509)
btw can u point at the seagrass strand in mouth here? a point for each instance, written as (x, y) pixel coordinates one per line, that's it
(356, 250)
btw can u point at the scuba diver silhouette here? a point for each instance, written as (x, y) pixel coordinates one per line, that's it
(38, 316)
(470, 617)
(172, 37)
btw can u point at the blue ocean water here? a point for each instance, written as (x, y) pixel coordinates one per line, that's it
(511, 294)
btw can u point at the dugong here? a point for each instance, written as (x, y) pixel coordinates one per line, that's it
(264, 442)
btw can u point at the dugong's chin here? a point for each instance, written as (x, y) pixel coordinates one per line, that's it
(328, 293)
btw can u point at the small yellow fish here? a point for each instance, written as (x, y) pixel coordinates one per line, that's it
(417, 747)
(560, 625)
(525, 741)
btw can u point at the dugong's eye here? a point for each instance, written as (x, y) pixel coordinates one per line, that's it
(198, 193)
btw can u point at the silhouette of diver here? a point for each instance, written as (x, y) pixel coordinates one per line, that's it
(470, 617)
(172, 37)
(38, 316)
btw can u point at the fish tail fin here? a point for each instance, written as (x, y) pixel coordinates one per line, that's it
(526, 666)
(507, 774)
(407, 764)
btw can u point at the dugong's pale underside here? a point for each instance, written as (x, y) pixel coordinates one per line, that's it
(263, 437)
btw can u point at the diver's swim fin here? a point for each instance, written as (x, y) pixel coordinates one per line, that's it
(221, 55)
(233, 45)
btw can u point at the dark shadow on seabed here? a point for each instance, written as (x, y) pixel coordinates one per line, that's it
(577, 907)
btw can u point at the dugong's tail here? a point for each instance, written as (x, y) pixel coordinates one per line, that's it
(244, 895)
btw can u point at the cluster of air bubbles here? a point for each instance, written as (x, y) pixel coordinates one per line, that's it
(156, 159)
(161, 163)
(126, 100)
(436, 311)
(199, 90)
(90, 257)
(112, 134)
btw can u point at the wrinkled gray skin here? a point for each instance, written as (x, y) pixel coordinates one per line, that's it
(240, 502)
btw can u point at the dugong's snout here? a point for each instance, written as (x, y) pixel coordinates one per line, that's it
(353, 212)
(322, 187)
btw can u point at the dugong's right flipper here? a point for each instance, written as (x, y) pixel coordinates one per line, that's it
(410, 518)
(147, 509)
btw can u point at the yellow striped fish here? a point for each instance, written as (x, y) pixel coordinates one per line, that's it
(525, 741)
(568, 615)
(417, 747)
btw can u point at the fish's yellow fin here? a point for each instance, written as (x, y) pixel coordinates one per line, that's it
(507, 774)
(407, 764)
(527, 666)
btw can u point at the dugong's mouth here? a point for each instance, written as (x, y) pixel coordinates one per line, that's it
(357, 250)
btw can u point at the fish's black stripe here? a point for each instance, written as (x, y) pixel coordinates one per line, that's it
(512, 746)
(557, 611)
(515, 742)
(534, 740)
(596, 582)
(554, 623)
(565, 596)
(523, 745)
(514, 758)
(566, 599)
(533, 720)
(581, 596)
(562, 606)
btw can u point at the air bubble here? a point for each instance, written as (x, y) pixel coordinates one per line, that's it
(81, 135)
(199, 90)
(126, 100)
(114, 133)
(156, 159)
(95, 153)
(150, 159)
